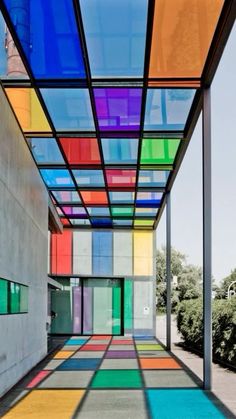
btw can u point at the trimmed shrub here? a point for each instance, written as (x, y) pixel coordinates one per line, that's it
(190, 325)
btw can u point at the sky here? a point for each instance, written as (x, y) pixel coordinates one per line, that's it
(186, 194)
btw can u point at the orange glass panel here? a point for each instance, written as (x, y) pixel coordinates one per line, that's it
(94, 197)
(61, 256)
(182, 34)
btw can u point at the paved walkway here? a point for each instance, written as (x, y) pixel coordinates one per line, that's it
(110, 378)
(224, 380)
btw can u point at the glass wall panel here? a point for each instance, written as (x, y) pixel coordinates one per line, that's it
(122, 253)
(45, 150)
(62, 252)
(128, 304)
(143, 307)
(143, 253)
(102, 253)
(14, 298)
(76, 299)
(117, 150)
(82, 252)
(115, 35)
(81, 150)
(116, 307)
(3, 296)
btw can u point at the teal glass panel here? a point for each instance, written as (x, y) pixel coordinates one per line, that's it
(61, 305)
(116, 307)
(89, 178)
(120, 150)
(57, 177)
(153, 178)
(115, 35)
(70, 109)
(3, 296)
(45, 150)
(128, 304)
(167, 109)
(14, 298)
(23, 299)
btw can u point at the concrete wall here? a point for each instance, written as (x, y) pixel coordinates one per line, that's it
(23, 250)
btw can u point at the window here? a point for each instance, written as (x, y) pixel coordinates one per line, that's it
(13, 297)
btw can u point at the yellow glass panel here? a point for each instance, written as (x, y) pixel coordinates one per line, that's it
(28, 110)
(181, 38)
(143, 253)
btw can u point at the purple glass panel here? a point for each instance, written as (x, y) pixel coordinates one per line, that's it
(118, 109)
(76, 309)
(88, 311)
(78, 211)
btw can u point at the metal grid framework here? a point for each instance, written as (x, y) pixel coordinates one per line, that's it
(109, 140)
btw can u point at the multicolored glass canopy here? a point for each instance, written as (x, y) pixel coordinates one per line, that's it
(105, 93)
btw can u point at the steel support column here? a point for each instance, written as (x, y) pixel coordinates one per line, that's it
(168, 272)
(207, 239)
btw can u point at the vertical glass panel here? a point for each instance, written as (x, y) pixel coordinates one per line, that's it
(128, 305)
(62, 252)
(159, 151)
(28, 110)
(182, 36)
(143, 253)
(117, 178)
(116, 306)
(82, 252)
(89, 178)
(3, 296)
(123, 258)
(76, 301)
(143, 307)
(61, 305)
(48, 34)
(115, 35)
(102, 253)
(156, 178)
(23, 299)
(167, 109)
(81, 150)
(56, 177)
(118, 109)
(70, 109)
(14, 298)
(120, 150)
(67, 196)
(94, 197)
(45, 150)
(88, 308)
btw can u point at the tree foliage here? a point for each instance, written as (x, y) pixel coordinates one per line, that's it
(222, 290)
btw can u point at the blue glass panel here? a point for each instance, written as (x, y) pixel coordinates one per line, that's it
(70, 109)
(3, 55)
(121, 197)
(146, 212)
(115, 35)
(167, 109)
(148, 199)
(45, 150)
(56, 177)
(67, 196)
(96, 211)
(89, 177)
(48, 34)
(120, 150)
(123, 222)
(80, 222)
(102, 253)
(153, 178)
(101, 222)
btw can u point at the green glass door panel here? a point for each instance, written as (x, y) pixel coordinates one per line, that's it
(128, 306)
(116, 308)
(102, 307)
(14, 298)
(3, 296)
(61, 305)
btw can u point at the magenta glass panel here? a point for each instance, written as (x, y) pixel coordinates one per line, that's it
(117, 178)
(88, 310)
(76, 309)
(78, 211)
(118, 109)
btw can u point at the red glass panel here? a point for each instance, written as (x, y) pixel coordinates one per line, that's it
(94, 197)
(61, 256)
(65, 222)
(121, 178)
(81, 150)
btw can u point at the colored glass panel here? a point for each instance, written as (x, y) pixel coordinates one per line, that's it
(124, 223)
(67, 196)
(128, 304)
(57, 177)
(76, 301)
(148, 199)
(89, 178)
(70, 109)
(45, 150)
(78, 211)
(14, 298)
(121, 178)
(146, 212)
(123, 252)
(122, 211)
(181, 37)
(118, 109)
(3, 296)
(82, 252)
(49, 37)
(61, 252)
(96, 211)
(149, 178)
(23, 299)
(143, 253)
(120, 150)
(101, 222)
(115, 35)
(61, 304)
(102, 253)
(167, 109)
(80, 222)
(94, 197)
(121, 197)
(28, 110)
(156, 151)
(81, 150)
(143, 223)
(116, 307)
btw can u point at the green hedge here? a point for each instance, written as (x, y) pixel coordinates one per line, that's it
(190, 325)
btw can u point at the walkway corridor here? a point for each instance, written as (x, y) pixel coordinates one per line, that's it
(107, 377)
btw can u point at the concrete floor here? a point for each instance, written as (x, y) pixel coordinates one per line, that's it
(224, 380)
(110, 378)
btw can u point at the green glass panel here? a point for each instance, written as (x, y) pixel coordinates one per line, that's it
(122, 211)
(3, 296)
(143, 222)
(102, 306)
(116, 299)
(23, 299)
(14, 298)
(157, 151)
(61, 305)
(128, 305)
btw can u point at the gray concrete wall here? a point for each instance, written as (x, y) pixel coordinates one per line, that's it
(23, 250)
